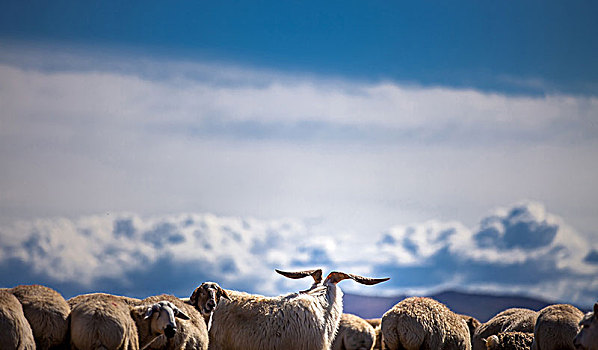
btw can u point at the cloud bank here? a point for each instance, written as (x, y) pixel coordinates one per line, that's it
(521, 249)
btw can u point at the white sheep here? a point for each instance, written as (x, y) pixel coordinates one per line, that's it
(106, 321)
(191, 334)
(47, 313)
(15, 332)
(424, 323)
(510, 341)
(354, 333)
(509, 320)
(556, 327)
(305, 320)
(587, 337)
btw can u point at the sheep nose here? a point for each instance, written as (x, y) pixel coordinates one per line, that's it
(211, 304)
(169, 331)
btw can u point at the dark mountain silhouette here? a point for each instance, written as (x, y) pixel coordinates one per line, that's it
(480, 306)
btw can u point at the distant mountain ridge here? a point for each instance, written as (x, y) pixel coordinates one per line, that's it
(480, 306)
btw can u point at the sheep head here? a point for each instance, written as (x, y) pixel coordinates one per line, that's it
(587, 337)
(162, 318)
(206, 297)
(492, 342)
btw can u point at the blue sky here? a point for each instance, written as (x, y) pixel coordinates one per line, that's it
(447, 142)
(506, 46)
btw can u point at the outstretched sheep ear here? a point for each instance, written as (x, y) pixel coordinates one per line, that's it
(222, 293)
(178, 313)
(315, 274)
(335, 276)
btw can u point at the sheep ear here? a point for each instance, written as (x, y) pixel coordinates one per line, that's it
(180, 314)
(148, 312)
(193, 297)
(315, 274)
(334, 277)
(223, 293)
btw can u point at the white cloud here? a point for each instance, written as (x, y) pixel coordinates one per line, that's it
(120, 252)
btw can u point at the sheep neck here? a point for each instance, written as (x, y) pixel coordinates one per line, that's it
(333, 309)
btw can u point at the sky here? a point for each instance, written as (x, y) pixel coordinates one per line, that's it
(146, 148)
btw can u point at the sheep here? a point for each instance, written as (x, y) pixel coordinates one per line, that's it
(104, 321)
(509, 320)
(375, 322)
(47, 313)
(556, 327)
(15, 332)
(587, 337)
(205, 298)
(72, 302)
(304, 320)
(191, 334)
(354, 333)
(472, 324)
(424, 323)
(510, 341)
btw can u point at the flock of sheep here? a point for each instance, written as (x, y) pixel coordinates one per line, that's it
(37, 317)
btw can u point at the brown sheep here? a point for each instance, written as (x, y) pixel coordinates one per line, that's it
(205, 298)
(587, 337)
(72, 302)
(509, 320)
(556, 327)
(15, 332)
(106, 321)
(423, 323)
(510, 341)
(47, 313)
(354, 333)
(191, 334)
(376, 322)
(472, 324)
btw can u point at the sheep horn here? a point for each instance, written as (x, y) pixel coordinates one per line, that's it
(315, 274)
(335, 276)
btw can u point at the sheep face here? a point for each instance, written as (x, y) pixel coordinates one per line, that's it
(162, 318)
(492, 343)
(205, 298)
(587, 338)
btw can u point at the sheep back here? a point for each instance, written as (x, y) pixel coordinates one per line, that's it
(47, 313)
(510, 341)
(102, 320)
(509, 320)
(72, 302)
(255, 322)
(556, 327)
(191, 334)
(423, 323)
(354, 333)
(15, 332)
